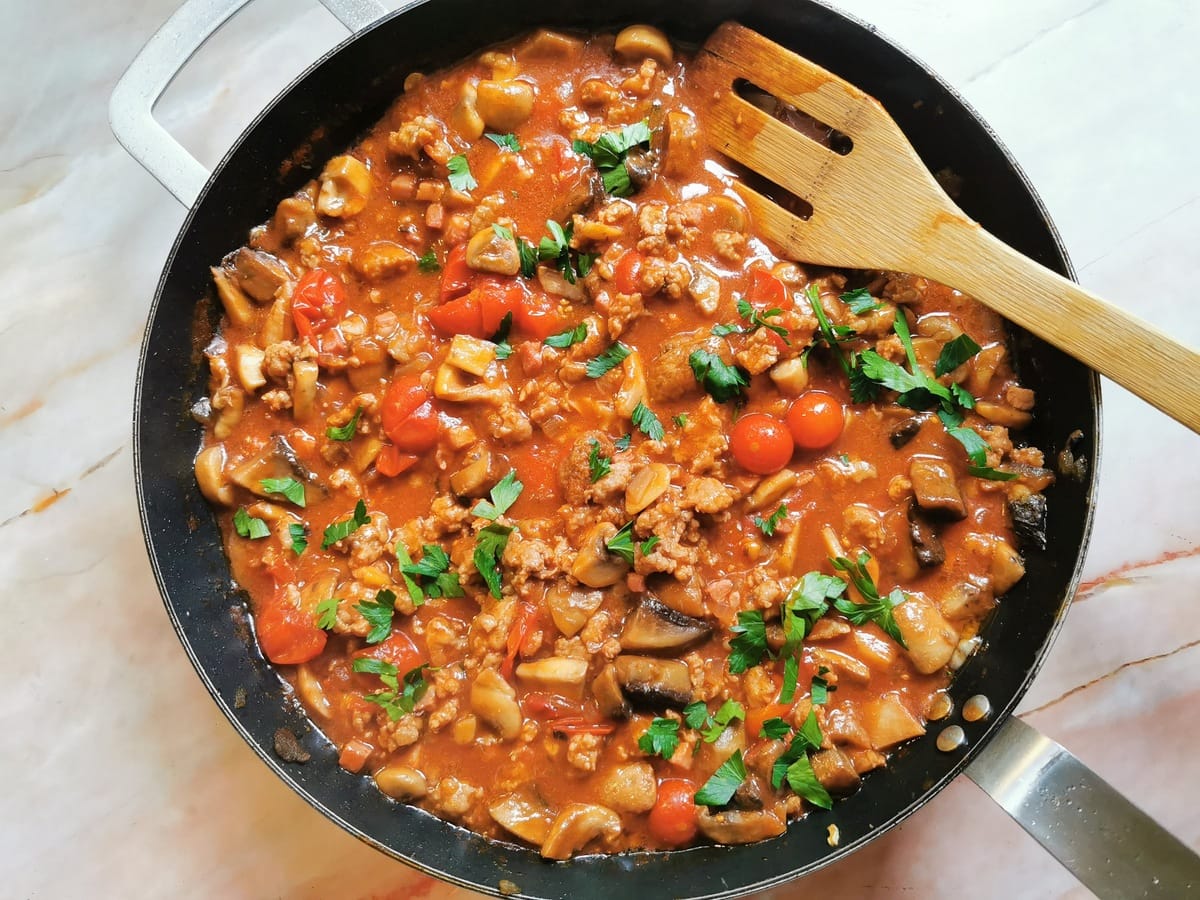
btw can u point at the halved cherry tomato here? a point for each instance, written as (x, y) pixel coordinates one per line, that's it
(627, 274)
(398, 649)
(673, 818)
(318, 302)
(761, 443)
(767, 291)
(456, 274)
(409, 417)
(354, 755)
(580, 725)
(391, 462)
(288, 635)
(815, 420)
(521, 628)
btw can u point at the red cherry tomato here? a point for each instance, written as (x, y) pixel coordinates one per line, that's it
(318, 302)
(673, 818)
(391, 462)
(767, 291)
(815, 420)
(288, 635)
(627, 273)
(456, 274)
(409, 417)
(761, 443)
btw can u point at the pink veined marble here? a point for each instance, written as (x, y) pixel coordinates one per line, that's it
(121, 777)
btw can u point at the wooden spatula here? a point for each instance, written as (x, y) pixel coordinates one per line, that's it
(878, 207)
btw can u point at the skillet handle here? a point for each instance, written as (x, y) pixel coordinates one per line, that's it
(1111, 846)
(131, 107)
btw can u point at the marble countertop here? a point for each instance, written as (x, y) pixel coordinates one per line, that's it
(121, 777)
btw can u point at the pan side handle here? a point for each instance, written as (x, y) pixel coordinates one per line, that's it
(1111, 846)
(131, 107)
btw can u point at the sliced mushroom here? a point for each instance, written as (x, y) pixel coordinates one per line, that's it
(402, 783)
(237, 305)
(630, 788)
(249, 366)
(259, 273)
(276, 460)
(491, 250)
(650, 483)
(570, 608)
(556, 674)
(680, 144)
(632, 390)
(935, 487)
(930, 638)
(656, 628)
(834, 770)
(790, 375)
(494, 700)
(654, 683)
(594, 565)
(474, 478)
(638, 42)
(304, 391)
(905, 431)
(639, 165)
(577, 826)
(686, 597)
(465, 117)
(345, 187)
(504, 104)
(311, 692)
(1029, 520)
(739, 826)
(1007, 567)
(471, 354)
(210, 475)
(524, 814)
(925, 541)
(888, 722)
(610, 699)
(553, 282)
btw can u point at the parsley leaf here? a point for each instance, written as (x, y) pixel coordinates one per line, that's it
(431, 576)
(298, 532)
(415, 593)
(400, 699)
(820, 688)
(504, 494)
(500, 338)
(754, 321)
(249, 527)
(661, 738)
(608, 152)
(529, 257)
(860, 301)
(875, 609)
(607, 360)
(831, 334)
(340, 530)
(791, 675)
(802, 780)
(505, 141)
(695, 714)
(621, 543)
(649, 544)
(598, 464)
(680, 420)
(565, 339)
(730, 711)
(774, 729)
(646, 421)
(719, 789)
(326, 613)
(805, 603)
(347, 431)
(489, 549)
(768, 525)
(290, 488)
(955, 353)
(428, 262)
(378, 613)
(806, 739)
(622, 443)
(722, 381)
(750, 644)
(461, 178)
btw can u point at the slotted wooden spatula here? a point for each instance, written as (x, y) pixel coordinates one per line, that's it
(878, 207)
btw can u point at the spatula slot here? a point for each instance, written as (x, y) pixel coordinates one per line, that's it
(798, 120)
(780, 196)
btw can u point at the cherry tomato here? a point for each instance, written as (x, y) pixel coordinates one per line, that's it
(761, 443)
(318, 302)
(456, 274)
(673, 818)
(398, 649)
(409, 417)
(288, 635)
(627, 273)
(767, 291)
(815, 420)
(391, 462)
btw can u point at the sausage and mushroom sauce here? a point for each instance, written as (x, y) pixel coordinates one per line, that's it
(573, 513)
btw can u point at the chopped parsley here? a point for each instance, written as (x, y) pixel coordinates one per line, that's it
(565, 339)
(795, 767)
(248, 526)
(803, 780)
(749, 645)
(805, 603)
(660, 739)
(695, 714)
(820, 687)
(621, 543)
(599, 465)
(875, 609)
(754, 321)
(832, 335)
(768, 525)
(428, 262)
(505, 141)
(400, 698)
(608, 152)
(647, 422)
(461, 178)
(954, 354)
(431, 577)
(649, 544)
(504, 494)
(713, 726)
(290, 488)
(774, 729)
(722, 381)
(326, 613)
(500, 338)
(556, 249)
(298, 532)
(489, 550)
(791, 675)
(622, 443)
(378, 613)
(723, 784)
(860, 301)
(345, 432)
(343, 529)
(680, 420)
(609, 359)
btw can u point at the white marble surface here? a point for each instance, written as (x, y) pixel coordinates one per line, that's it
(121, 778)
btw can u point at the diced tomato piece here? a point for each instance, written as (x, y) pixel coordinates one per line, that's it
(580, 725)
(318, 302)
(461, 316)
(673, 818)
(420, 431)
(354, 755)
(456, 274)
(497, 299)
(756, 717)
(398, 649)
(767, 291)
(548, 706)
(287, 635)
(521, 628)
(409, 417)
(391, 462)
(539, 316)
(627, 274)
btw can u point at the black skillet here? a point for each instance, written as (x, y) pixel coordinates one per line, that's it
(344, 94)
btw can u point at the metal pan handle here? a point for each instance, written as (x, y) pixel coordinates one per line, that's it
(131, 107)
(1111, 846)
